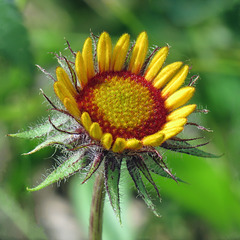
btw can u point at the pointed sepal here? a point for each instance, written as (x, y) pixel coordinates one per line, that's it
(94, 166)
(137, 179)
(61, 139)
(184, 147)
(139, 162)
(112, 175)
(156, 165)
(40, 130)
(72, 165)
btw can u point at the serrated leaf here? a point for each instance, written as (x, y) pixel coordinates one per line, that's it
(184, 147)
(75, 163)
(112, 175)
(40, 130)
(139, 162)
(94, 166)
(62, 138)
(137, 179)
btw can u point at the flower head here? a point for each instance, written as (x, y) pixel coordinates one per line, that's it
(126, 105)
(120, 105)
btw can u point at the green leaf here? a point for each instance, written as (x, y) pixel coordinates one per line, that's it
(40, 130)
(75, 163)
(112, 176)
(139, 162)
(95, 165)
(61, 138)
(12, 28)
(184, 147)
(137, 179)
(15, 51)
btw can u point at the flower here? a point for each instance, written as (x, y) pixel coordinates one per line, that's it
(126, 106)
(120, 106)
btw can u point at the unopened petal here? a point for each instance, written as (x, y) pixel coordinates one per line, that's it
(176, 82)
(165, 74)
(63, 78)
(61, 91)
(139, 53)
(104, 52)
(134, 144)
(119, 145)
(86, 121)
(179, 98)
(182, 112)
(72, 107)
(153, 140)
(156, 63)
(107, 140)
(95, 131)
(180, 122)
(120, 52)
(81, 70)
(88, 58)
(169, 133)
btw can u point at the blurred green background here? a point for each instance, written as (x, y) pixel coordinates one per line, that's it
(204, 34)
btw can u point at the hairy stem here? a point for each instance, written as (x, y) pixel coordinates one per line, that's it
(96, 215)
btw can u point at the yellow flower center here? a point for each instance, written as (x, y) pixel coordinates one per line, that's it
(123, 102)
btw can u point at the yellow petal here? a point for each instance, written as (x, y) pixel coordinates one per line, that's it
(153, 140)
(176, 82)
(63, 78)
(88, 58)
(133, 143)
(107, 140)
(120, 52)
(81, 70)
(180, 122)
(182, 112)
(139, 53)
(61, 91)
(165, 74)
(72, 107)
(86, 121)
(57, 86)
(169, 133)
(119, 145)
(156, 64)
(104, 52)
(179, 98)
(95, 131)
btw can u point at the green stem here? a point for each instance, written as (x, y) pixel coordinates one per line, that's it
(96, 215)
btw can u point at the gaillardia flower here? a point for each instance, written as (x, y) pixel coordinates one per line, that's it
(126, 106)
(121, 104)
